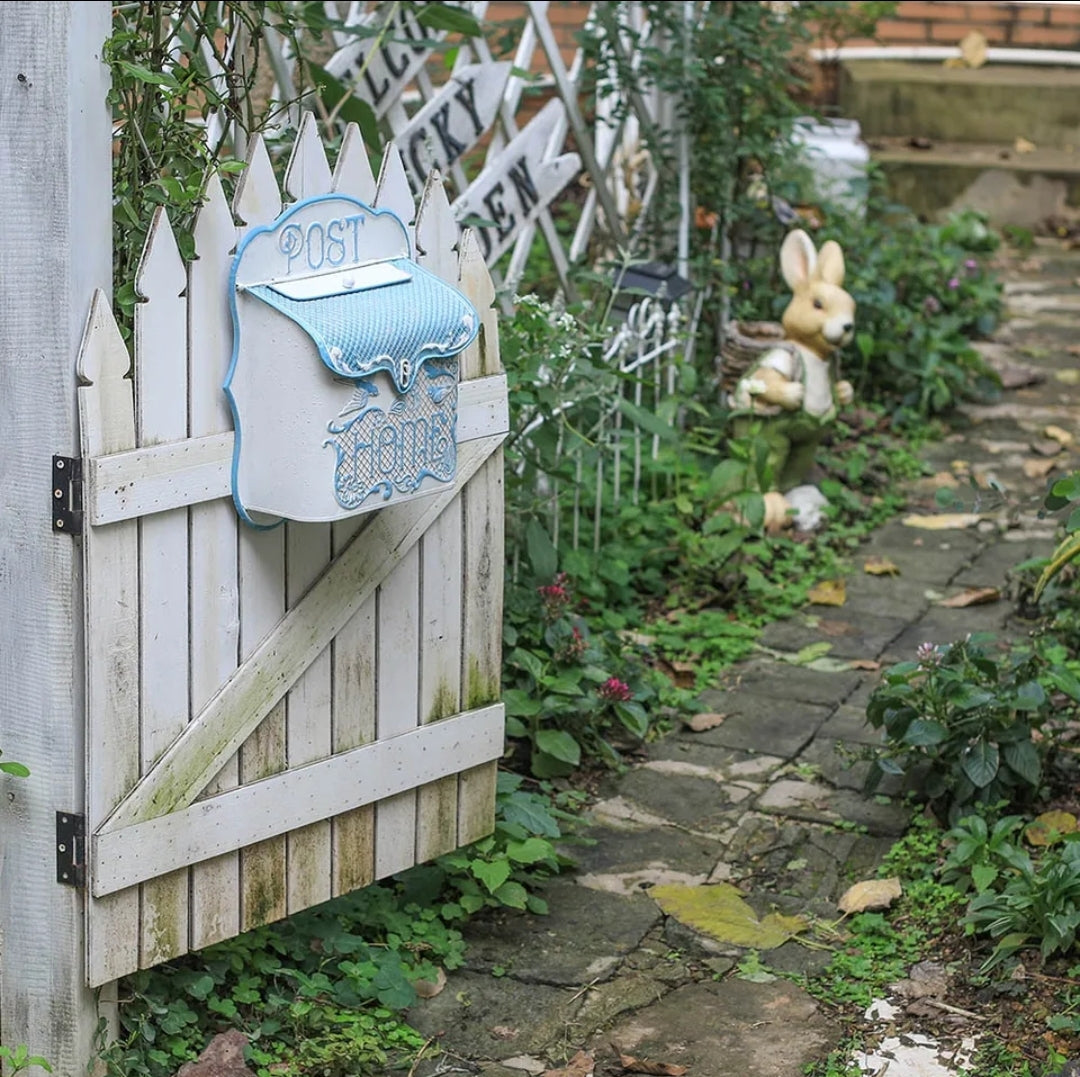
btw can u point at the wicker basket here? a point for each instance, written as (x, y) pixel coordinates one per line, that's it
(743, 344)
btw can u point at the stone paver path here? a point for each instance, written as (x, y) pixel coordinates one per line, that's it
(766, 799)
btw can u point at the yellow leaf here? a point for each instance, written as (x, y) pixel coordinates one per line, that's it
(828, 593)
(1066, 552)
(1023, 145)
(1038, 469)
(1069, 377)
(973, 49)
(1051, 826)
(942, 521)
(871, 894)
(870, 664)
(973, 596)
(1062, 437)
(880, 566)
(699, 723)
(720, 912)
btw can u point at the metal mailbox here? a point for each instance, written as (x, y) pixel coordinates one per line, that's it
(344, 374)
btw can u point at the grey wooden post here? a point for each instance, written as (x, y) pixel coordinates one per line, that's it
(55, 248)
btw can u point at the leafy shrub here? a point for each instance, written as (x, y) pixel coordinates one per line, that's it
(966, 716)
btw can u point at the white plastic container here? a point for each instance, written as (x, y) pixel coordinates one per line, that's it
(838, 158)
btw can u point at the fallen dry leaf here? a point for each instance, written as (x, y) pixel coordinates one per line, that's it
(581, 1065)
(1072, 349)
(503, 1032)
(828, 593)
(942, 521)
(880, 566)
(1062, 437)
(1031, 265)
(430, 988)
(1023, 145)
(973, 50)
(1046, 447)
(645, 1065)
(699, 723)
(1049, 827)
(927, 979)
(836, 628)
(871, 894)
(871, 664)
(1018, 376)
(973, 596)
(1038, 469)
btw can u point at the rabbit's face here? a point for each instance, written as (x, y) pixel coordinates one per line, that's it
(821, 315)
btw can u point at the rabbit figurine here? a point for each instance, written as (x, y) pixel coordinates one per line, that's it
(790, 389)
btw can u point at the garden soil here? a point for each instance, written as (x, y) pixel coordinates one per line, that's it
(709, 846)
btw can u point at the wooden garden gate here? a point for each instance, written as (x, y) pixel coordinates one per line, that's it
(274, 717)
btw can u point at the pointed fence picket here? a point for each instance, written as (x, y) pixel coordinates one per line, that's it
(274, 717)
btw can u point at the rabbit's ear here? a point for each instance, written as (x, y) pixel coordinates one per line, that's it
(831, 263)
(797, 259)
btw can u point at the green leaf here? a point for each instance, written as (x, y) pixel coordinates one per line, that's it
(980, 763)
(515, 727)
(633, 718)
(529, 851)
(151, 78)
(560, 745)
(543, 557)
(447, 17)
(528, 661)
(336, 96)
(512, 894)
(519, 703)
(982, 876)
(1023, 759)
(647, 421)
(17, 770)
(491, 873)
(547, 766)
(921, 733)
(1030, 696)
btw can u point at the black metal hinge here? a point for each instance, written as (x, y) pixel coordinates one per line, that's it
(71, 848)
(67, 508)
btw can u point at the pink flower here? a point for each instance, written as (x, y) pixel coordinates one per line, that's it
(614, 690)
(954, 282)
(971, 265)
(555, 596)
(929, 654)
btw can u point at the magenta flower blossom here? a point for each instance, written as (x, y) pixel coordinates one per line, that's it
(555, 596)
(614, 690)
(954, 282)
(971, 265)
(929, 654)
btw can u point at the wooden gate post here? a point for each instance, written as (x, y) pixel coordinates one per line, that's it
(55, 249)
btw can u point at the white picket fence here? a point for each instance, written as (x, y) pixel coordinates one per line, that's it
(274, 717)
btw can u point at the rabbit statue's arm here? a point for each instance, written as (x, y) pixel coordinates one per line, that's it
(773, 387)
(843, 393)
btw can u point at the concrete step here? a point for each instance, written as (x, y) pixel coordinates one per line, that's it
(994, 103)
(1022, 189)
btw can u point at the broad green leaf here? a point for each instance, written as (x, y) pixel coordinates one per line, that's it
(529, 851)
(491, 873)
(647, 420)
(980, 763)
(448, 17)
(982, 876)
(543, 765)
(339, 98)
(513, 895)
(922, 733)
(17, 770)
(528, 661)
(543, 557)
(1023, 759)
(560, 745)
(520, 703)
(1030, 696)
(633, 718)
(515, 727)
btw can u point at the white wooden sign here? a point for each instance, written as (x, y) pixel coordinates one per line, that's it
(344, 375)
(453, 121)
(518, 185)
(384, 75)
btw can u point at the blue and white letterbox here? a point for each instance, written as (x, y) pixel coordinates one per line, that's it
(344, 373)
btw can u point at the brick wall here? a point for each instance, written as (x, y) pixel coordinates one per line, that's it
(1009, 25)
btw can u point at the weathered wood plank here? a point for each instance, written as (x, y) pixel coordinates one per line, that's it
(307, 172)
(136, 483)
(397, 698)
(296, 797)
(111, 559)
(161, 396)
(262, 604)
(215, 602)
(285, 651)
(56, 181)
(483, 554)
(308, 732)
